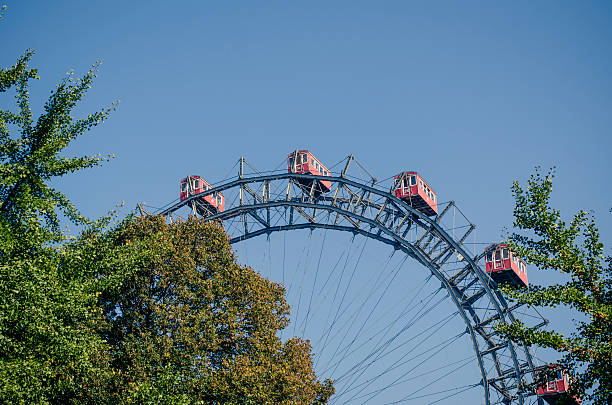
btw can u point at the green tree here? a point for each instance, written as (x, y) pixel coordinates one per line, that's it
(142, 313)
(573, 249)
(188, 324)
(52, 350)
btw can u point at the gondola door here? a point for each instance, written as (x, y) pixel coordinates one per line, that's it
(498, 262)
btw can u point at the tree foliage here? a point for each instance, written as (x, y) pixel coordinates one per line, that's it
(33, 158)
(52, 349)
(573, 249)
(145, 312)
(188, 324)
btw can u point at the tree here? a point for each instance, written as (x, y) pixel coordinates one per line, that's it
(188, 324)
(52, 350)
(546, 241)
(141, 313)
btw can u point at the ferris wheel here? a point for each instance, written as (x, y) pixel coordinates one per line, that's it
(399, 305)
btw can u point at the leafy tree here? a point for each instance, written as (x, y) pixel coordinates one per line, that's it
(144, 313)
(575, 251)
(190, 325)
(52, 350)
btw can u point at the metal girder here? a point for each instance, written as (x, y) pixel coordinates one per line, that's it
(496, 316)
(460, 242)
(259, 219)
(474, 297)
(438, 219)
(493, 349)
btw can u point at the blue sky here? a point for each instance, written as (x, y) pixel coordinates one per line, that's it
(473, 95)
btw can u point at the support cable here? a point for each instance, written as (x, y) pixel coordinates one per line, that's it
(301, 288)
(358, 333)
(380, 350)
(314, 283)
(398, 363)
(384, 330)
(345, 290)
(454, 370)
(462, 388)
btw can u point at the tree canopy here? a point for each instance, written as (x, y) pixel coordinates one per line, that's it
(575, 251)
(142, 312)
(49, 326)
(188, 324)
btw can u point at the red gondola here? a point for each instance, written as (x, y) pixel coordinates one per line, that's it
(304, 162)
(191, 185)
(556, 387)
(411, 188)
(504, 266)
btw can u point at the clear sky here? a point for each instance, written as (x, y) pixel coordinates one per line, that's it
(473, 95)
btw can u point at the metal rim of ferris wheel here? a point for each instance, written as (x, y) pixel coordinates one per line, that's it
(360, 207)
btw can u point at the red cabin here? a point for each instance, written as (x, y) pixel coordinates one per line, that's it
(304, 162)
(504, 266)
(556, 387)
(411, 188)
(191, 185)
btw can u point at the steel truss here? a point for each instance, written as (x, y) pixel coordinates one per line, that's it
(281, 201)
